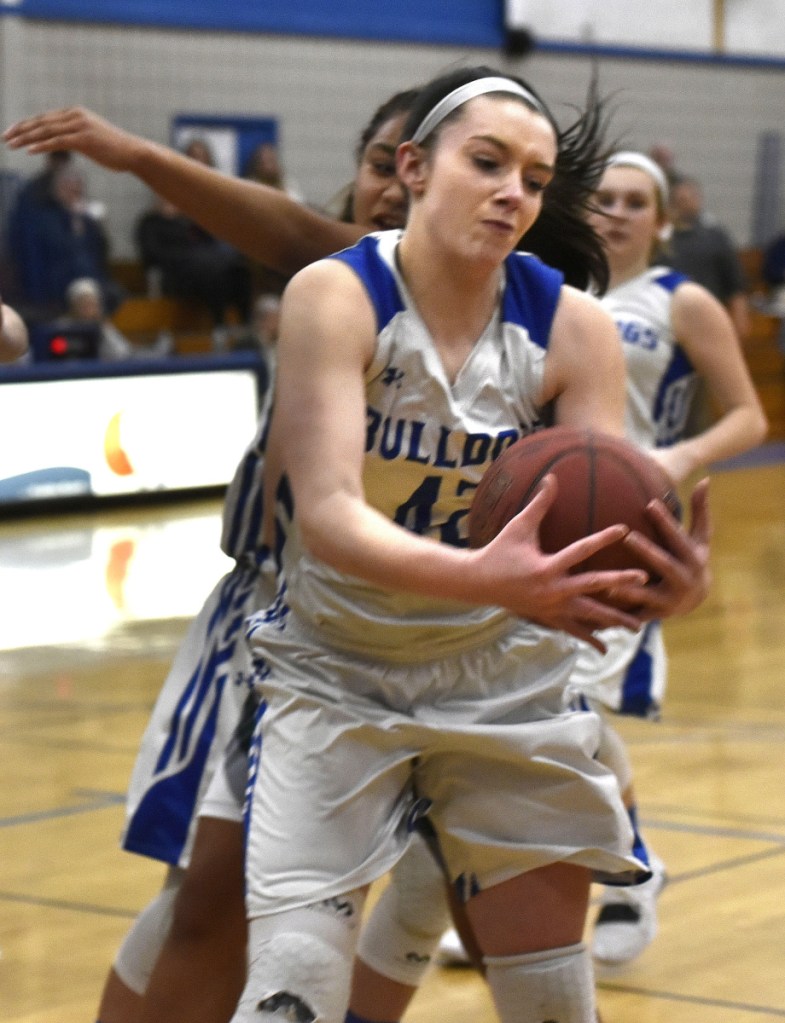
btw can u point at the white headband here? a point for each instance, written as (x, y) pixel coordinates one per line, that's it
(628, 158)
(469, 91)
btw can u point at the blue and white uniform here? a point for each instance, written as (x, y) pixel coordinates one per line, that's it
(202, 698)
(661, 388)
(380, 703)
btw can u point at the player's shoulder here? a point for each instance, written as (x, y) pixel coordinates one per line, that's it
(573, 302)
(324, 292)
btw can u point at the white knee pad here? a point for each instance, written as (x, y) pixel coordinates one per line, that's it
(554, 985)
(613, 754)
(139, 951)
(400, 936)
(300, 963)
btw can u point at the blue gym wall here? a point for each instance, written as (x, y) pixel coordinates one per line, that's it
(449, 22)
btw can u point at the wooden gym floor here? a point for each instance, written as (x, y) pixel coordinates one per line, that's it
(92, 608)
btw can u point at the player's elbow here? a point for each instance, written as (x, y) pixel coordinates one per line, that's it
(319, 536)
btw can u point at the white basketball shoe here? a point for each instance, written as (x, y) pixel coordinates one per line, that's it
(627, 921)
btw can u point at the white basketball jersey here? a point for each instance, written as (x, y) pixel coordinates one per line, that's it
(661, 381)
(428, 442)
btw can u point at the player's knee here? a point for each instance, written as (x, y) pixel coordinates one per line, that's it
(300, 963)
(407, 922)
(556, 984)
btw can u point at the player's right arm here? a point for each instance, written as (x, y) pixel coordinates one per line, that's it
(264, 223)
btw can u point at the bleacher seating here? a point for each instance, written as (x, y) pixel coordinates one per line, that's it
(143, 318)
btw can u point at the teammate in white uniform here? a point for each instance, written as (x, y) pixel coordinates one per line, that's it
(675, 336)
(406, 674)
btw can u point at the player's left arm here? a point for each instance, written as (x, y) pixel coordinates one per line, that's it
(705, 332)
(584, 368)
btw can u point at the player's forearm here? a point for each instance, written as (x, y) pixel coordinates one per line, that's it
(736, 432)
(354, 538)
(264, 223)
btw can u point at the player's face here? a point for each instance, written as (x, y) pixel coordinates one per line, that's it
(482, 187)
(379, 197)
(629, 216)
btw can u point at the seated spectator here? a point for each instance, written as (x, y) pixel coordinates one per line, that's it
(198, 149)
(262, 336)
(85, 305)
(54, 238)
(264, 166)
(13, 335)
(193, 265)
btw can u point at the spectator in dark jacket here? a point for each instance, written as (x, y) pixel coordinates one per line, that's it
(54, 239)
(194, 265)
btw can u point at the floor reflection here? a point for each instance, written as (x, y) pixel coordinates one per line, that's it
(81, 580)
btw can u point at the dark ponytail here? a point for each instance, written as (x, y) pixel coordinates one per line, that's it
(562, 236)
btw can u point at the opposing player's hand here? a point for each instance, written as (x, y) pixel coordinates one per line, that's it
(13, 334)
(680, 563)
(76, 129)
(539, 586)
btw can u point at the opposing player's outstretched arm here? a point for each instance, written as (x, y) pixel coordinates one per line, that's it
(264, 223)
(326, 342)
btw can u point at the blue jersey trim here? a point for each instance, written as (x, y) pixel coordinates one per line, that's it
(678, 368)
(671, 279)
(636, 697)
(161, 823)
(531, 295)
(377, 277)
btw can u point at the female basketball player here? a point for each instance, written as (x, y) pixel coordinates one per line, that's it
(404, 674)
(676, 336)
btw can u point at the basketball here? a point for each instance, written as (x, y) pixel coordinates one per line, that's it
(603, 480)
